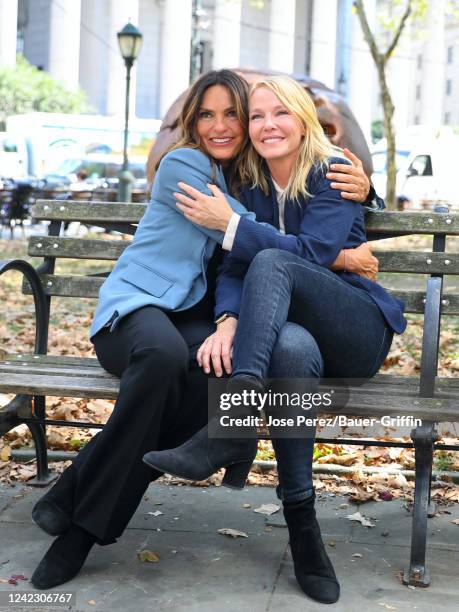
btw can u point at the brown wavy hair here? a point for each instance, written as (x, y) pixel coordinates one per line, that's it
(236, 173)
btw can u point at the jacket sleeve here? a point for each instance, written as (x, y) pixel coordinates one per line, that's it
(373, 201)
(230, 280)
(193, 167)
(325, 227)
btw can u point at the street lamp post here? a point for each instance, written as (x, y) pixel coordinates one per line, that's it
(130, 41)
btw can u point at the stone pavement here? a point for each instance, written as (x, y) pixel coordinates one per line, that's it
(200, 569)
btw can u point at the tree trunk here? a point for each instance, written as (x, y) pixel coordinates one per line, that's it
(388, 106)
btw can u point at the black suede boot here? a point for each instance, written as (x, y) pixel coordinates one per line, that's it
(64, 558)
(53, 512)
(313, 568)
(202, 455)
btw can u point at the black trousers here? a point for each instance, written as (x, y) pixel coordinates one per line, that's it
(162, 402)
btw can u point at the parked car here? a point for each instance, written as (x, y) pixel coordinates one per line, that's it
(98, 170)
(425, 172)
(334, 114)
(11, 157)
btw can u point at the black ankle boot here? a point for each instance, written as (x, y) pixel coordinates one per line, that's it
(64, 559)
(201, 455)
(313, 568)
(53, 512)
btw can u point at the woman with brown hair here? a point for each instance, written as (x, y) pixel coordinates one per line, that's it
(155, 309)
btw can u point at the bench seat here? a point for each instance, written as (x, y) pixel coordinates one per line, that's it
(384, 394)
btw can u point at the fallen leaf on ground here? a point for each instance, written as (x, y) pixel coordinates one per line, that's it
(247, 505)
(232, 532)
(5, 453)
(358, 496)
(456, 521)
(267, 509)
(157, 513)
(148, 556)
(92, 602)
(357, 555)
(361, 519)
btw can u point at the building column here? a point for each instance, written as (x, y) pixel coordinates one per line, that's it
(226, 40)
(362, 79)
(64, 41)
(8, 32)
(175, 50)
(282, 35)
(433, 68)
(323, 44)
(121, 12)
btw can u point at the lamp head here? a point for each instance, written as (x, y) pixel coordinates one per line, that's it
(130, 42)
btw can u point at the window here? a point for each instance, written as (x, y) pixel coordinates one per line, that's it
(449, 55)
(419, 62)
(421, 166)
(449, 86)
(9, 146)
(416, 120)
(447, 119)
(418, 92)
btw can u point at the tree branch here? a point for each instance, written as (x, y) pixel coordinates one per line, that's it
(367, 33)
(398, 31)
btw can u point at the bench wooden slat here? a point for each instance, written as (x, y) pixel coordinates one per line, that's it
(361, 403)
(54, 370)
(76, 248)
(414, 301)
(69, 286)
(54, 359)
(385, 381)
(88, 287)
(418, 263)
(66, 386)
(376, 222)
(87, 212)
(412, 223)
(389, 261)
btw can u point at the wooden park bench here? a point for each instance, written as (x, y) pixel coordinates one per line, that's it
(33, 377)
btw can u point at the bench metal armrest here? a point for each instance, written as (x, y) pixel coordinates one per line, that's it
(39, 297)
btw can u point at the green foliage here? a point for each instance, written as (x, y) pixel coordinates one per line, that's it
(389, 18)
(377, 130)
(25, 89)
(443, 461)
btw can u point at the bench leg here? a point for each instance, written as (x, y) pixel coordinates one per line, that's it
(423, 438)
(44, 475)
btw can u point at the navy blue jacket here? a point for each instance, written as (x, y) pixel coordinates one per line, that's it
(316, 229)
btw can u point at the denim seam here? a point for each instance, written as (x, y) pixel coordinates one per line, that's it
(378, 354)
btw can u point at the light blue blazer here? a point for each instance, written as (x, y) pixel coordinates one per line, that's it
(165, 265)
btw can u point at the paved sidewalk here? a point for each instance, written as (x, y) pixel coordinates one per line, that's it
(199, 569)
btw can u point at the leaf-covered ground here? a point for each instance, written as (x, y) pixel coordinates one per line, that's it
(70, 321)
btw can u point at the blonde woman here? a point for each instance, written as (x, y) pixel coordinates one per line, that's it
(282, 288)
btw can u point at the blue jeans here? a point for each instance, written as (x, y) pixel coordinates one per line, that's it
(335, 330)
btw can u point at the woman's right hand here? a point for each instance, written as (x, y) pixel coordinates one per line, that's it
(361, 261)
(218, 348)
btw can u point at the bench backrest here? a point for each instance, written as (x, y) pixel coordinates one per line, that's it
(432, 301)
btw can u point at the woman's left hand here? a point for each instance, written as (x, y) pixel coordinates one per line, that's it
(212, 212)
(352, 180)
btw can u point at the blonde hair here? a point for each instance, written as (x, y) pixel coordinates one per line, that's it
(315, 147)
